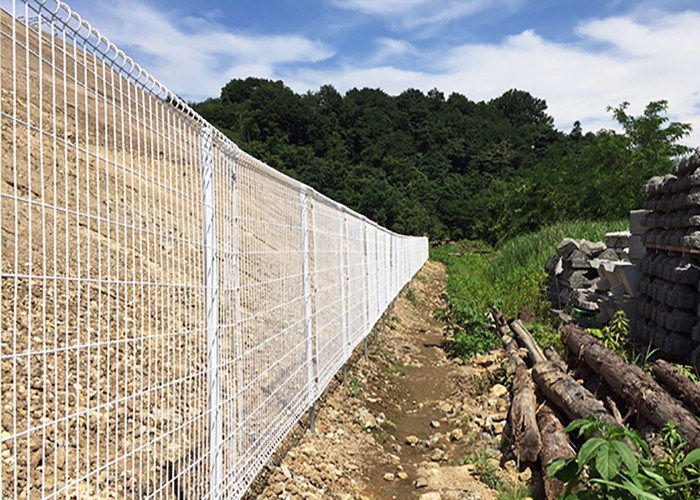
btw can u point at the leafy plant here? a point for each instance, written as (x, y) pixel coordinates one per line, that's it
(689, 371)
(411, 296)
(467, 328)
(615, 334)
(355, 387)
(606, 467)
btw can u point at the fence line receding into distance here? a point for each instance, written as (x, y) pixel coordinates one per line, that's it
(171, 306)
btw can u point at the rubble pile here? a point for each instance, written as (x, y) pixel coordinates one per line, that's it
(594, 278)
(668, 305)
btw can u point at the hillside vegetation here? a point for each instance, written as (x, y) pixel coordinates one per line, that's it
(448, 167)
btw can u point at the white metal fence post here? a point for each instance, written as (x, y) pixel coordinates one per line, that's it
(308, 325)
(211, 283)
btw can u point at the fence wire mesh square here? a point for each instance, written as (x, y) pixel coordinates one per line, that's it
(171, 306)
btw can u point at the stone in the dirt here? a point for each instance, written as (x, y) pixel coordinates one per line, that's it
(278, 488)
(437, 455)
(402, 475)
(421, 482)
(285, 470)
(485, 360)
(499, 390)
(412, 440)
(456, 435)
(434, 424)
(432, 495)
(446, 407)
(389, 476)
(366, 419)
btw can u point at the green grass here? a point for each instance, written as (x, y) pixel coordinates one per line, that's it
(513, 273)
(512, 276)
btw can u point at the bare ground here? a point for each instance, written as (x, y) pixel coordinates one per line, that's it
(410, 423)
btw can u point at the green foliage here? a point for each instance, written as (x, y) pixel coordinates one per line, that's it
(689, 371)
(447, 167)
(615, 334)
(513, 274)
(355, 387)
(606, 467)
(546, 335)
(467, 328)
(411, 296)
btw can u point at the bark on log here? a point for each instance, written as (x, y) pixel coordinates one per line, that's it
(562, 391)
(555, 445)
(629, 381)
(523, 421)
(528, 341)
(552, 355)
(677, 384)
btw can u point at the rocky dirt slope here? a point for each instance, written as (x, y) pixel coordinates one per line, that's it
(410, 423)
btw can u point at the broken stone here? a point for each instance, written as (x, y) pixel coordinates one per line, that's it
(434, 424)
(412, 440)
(456, 435)
(421, 482)
(498, 390)
(389, 476)
(567, 246)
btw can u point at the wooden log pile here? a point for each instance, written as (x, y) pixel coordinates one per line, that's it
(546, 397)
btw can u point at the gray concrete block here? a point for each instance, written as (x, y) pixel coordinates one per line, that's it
(680, 321)
(592, 248)
(567, 246)
(617, 239)
(636, 248)
(637, 218)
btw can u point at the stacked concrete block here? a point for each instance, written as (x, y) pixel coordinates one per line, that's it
(669, 305)
(572, 278)
(593, 278)
(635, 244)
(618, 242)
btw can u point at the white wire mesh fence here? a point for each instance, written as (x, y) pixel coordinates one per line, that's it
(171, 306)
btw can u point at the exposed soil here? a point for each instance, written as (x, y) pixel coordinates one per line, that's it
(410, 423)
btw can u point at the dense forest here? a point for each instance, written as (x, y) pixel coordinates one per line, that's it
(448, 168)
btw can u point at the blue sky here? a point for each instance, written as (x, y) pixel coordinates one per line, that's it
(578, 55)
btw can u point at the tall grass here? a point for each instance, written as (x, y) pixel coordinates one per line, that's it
(512, 274)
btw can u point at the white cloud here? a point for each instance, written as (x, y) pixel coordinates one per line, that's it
(197, 57)
(390, 48)
(635, 58)
(410, 14)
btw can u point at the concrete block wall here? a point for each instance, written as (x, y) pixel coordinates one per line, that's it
(668, 305)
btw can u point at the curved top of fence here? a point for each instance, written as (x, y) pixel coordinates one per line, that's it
(124, 65)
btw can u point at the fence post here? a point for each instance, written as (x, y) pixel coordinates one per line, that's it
(343, 305)
(308, 325)
(211, 283)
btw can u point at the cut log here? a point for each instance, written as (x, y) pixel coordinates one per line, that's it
(637, 388)
(552, 355)
(677, 384)
(526, 339)
(523, 420)
(555, 445)
(570, 398)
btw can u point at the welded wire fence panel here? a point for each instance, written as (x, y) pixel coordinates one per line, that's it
(170, 305)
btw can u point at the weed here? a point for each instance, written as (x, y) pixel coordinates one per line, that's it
(379, 352)
(515, 492)
(606, 467)
(355, 387)
(467, 328)
(411, 296)
(615, 335)
(397, 369)
(393, 322)
(689, 371)
(546, 335)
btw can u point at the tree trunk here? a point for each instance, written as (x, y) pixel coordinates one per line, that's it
(523, 422)
(637, 388)
(528, 341)
(555, 445)
(562, 391)
(677, 384)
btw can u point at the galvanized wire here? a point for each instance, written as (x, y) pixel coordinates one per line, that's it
(171, 305)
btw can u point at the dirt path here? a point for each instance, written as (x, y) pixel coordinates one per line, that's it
(410, 423)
